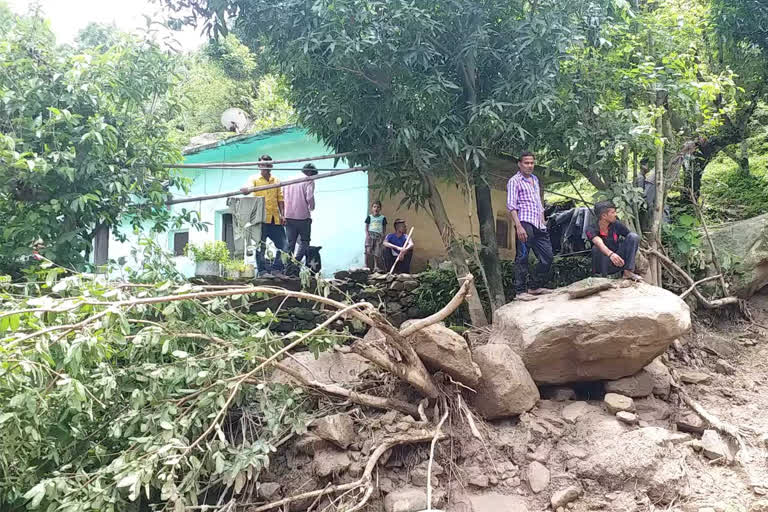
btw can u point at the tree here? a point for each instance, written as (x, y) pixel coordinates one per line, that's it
(424, 91)
(85, 136)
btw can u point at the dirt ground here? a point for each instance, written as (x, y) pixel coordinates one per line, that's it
(574, 440)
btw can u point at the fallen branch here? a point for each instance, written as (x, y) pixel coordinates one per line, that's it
(697, 283)
(709, 304)
(432, 458)
(358, 398)
(364, 480)
(728, 429)
(711, 244)
(445, 312)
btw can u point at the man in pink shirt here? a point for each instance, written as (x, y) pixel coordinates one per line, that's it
(299, 202)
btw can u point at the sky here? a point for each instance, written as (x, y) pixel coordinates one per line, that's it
(67, 17)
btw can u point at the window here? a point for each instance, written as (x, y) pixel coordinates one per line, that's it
(180, 241)
(502, 234)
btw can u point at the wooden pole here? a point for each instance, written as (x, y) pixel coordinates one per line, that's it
(251, 164)
(265, 187)
(407, 239)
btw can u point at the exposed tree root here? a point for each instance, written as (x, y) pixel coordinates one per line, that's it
(364, 481)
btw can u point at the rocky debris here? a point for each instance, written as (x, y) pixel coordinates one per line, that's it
(442, 349)
(608, 335)
(617, 403)
(691, 423)
(749, 239)
(309, 443)
(627, 417)
(562, 394)
(693, 377)
(537, 476)
(420, 477)
(270, 491)
(329, 368)
(635, 386)
(571, 412)
(714, 447)
(652, 409)
(660, 376)
(724, 367)
(330, 461)
(491, 502)
(338, 429)
(505, 387)
(759, 506)
(565, 496)
(645, 458)
(406, 500)
(542, 452)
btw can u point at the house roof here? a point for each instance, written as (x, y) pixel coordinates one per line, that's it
(206, 141)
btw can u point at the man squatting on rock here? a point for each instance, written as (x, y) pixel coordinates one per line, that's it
(614, 246)
(524, 203)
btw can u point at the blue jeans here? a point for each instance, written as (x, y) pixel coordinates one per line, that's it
(276, 233)
(602, 265)
(539, 243)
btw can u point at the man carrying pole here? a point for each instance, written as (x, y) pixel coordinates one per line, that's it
(398, 249)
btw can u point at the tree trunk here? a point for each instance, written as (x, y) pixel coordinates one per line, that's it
(489, 252)
(744, 157)
(658, 207)
(454, 249)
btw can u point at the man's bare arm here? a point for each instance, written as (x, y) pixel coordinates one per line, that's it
(521, 234)
(615, 258)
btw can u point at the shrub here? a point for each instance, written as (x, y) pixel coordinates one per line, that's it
(218, 252)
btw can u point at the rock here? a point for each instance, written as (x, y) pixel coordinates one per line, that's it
(759, 506)
(542, 452)
(571, 412)
(442, 349)
(406, 500)
(691, 423)
(480, 481)
(338, 429)
(617, 403)
(397, 286)
(419, 477)
(563, 497)
(645, 456)
(626, 417)
(495, 502)
(692, 377)
(587, 287)
(662, 380)
(409, 286)
(329, 462)
(605, 336)
(724, 367)
(537, 476)
(713, 446)
(309, 443)
(562, 394)
(330, 368)
(749, 240)
(636, 386)
(270, 491)
(341, 275)
(359, 275)
(505, 387)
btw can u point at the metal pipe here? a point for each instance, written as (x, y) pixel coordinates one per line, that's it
(222, 165)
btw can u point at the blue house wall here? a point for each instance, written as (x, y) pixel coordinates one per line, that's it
(341, 201)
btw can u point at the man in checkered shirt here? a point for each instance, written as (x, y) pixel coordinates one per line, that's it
(524, 202)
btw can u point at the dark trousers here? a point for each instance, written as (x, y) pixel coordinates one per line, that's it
(301, 230)
(276, 233)
(602, 265)
(403, 266)
(539, 243)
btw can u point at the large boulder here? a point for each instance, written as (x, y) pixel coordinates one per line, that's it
(443, 349)
(505, 387)
(745, 243)
(604, 336)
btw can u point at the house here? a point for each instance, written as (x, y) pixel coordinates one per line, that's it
(342, 203)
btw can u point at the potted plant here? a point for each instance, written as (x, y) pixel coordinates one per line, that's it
(209, 258)
(247, 271)
(232, 269)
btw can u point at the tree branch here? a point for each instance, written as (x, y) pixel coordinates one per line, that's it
(445, 312)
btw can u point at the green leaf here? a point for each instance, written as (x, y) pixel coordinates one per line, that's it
(36, 495)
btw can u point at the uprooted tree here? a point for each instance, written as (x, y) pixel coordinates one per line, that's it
(160, 393)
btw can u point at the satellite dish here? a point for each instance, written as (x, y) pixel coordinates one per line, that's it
(235, 120)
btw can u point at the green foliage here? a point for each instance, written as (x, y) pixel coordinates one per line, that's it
(83, 139)
(145, 404)
(729, 194)
(217, 252)
(436, 288)
(682, 238)
(234, 58)
(151, 264)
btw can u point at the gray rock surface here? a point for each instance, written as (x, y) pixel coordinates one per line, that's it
(442, 349)
(505, 387)
(607, 335)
